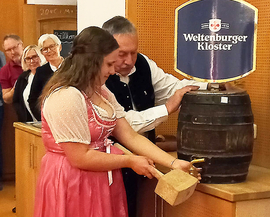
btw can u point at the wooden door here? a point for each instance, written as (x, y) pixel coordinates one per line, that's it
(62, 19)
(52, 18)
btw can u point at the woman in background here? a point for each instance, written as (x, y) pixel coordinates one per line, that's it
(50, 46)
(31, 59)
(80, 173)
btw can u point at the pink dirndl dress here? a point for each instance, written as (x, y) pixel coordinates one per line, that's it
(66, 191)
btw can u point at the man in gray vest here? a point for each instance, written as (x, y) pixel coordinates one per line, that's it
(147, 93)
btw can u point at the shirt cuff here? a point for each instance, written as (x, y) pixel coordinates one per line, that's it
(203, 86)
(161, 111)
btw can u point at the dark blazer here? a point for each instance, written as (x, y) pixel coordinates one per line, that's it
(43, 74)
(18, 102)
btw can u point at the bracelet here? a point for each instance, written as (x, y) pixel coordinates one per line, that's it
(173, 161)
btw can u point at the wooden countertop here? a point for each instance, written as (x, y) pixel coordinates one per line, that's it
(28, 127)
(257, 185)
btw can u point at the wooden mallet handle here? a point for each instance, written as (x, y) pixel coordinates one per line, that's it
(128, 152)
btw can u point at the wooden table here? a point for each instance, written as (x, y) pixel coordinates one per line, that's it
(247, 199)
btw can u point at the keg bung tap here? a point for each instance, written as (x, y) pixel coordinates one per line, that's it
(193, 170)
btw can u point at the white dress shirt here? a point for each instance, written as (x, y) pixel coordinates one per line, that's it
(164, 85)
(26, 93)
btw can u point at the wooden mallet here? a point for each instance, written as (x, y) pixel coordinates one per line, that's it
(174, 187)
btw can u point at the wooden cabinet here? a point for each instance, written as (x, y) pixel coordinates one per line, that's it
(29, 151)
(249, 198)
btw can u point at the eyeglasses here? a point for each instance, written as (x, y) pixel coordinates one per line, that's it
(46, 49)
(32, 58)
(13, 48)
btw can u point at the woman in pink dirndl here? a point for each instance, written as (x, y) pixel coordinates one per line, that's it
(80, 173)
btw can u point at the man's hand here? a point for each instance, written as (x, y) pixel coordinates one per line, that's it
(8, 95)
(174, 101)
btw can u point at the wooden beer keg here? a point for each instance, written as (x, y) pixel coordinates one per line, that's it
(217, 126)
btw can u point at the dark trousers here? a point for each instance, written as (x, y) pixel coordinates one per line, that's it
(131, 182)
(131, 185)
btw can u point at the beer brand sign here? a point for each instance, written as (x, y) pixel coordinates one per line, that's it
(215, 40)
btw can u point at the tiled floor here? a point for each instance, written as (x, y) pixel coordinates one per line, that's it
(7, 200)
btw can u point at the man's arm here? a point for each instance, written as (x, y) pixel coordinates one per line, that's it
(8, 95)
(7, 86)
(149, 119)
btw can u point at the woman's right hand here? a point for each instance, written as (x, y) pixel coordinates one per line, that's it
(143, 166)
(186, 166)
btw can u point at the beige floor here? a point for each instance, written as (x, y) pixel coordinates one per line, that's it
(7, 200)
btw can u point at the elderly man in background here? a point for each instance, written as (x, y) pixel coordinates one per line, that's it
(147, 93)
(9, 73)
(13, 47)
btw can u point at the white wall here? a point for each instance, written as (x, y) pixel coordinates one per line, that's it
(96, 12)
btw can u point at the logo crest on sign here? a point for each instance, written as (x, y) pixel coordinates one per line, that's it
(215, 25)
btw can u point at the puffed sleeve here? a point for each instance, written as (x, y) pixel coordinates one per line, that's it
(65, 111)
(120, 112)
